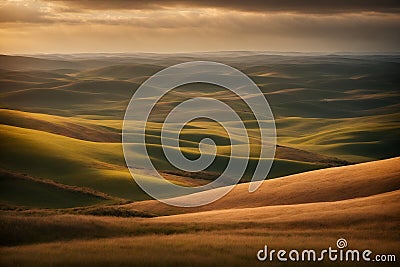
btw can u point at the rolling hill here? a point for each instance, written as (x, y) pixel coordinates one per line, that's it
(328, 185)
(351, 202)
(61, 115)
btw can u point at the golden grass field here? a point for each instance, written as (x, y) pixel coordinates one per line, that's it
(284, 213)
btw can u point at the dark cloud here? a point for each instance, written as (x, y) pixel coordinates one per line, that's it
(95, 26)
(299, 6)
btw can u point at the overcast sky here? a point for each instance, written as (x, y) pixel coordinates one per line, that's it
(65, 26)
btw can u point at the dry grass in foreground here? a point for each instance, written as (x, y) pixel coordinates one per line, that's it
(193, 249)
(231, 235)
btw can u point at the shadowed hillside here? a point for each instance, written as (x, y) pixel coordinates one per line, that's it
(62, 114)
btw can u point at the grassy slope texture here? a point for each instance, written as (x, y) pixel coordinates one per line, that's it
(67, 198)
(61, 117)
(359, 203)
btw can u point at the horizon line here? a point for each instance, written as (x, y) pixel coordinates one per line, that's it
(207, 52)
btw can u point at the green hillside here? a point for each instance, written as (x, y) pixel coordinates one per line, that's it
(23, 190)
(61, 119)
(68, 161)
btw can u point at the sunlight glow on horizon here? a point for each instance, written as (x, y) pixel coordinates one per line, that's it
(42, 26)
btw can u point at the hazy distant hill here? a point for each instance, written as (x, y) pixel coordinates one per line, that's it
(67, 197)
(62, 114)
